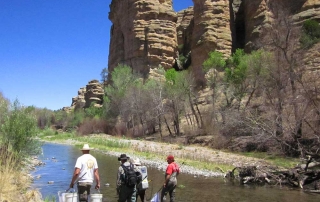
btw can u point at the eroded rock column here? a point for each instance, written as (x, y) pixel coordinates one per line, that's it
(143, 34)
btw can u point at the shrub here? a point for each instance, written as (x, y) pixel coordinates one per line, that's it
(18, 131)
(310, 33)
(93, 126)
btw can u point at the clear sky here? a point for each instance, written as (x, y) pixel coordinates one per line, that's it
(49, 49)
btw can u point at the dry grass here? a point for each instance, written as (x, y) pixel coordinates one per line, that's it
(14, 183)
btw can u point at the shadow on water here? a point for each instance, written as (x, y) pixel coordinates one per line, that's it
(60, 160)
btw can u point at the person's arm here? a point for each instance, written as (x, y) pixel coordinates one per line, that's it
(96, 175)
(166, 179)
(74, 177)
(118, 181)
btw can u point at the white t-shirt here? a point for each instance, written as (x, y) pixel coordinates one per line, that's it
(87, 164)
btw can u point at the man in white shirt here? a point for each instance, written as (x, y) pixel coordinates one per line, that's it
(86, 170)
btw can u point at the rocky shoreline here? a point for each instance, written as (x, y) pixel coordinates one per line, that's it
(195, 153)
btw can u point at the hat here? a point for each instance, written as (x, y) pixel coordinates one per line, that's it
(123, 157)
(170, 157)
(136, 162)
(85, 147)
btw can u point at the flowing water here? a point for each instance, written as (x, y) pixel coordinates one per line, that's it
(60, 161)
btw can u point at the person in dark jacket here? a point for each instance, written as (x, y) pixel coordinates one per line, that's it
(126, 194)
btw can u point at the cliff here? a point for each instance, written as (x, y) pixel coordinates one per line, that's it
(143, 34)
(147, 33)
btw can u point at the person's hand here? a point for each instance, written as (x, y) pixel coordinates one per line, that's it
(71, 185)
(164, 185)
(97, 186)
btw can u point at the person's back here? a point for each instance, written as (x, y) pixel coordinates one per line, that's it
(87, 163)
(86, 170)
(143, 184)
(127, 193)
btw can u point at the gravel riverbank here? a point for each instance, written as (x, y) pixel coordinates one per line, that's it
(195, 153)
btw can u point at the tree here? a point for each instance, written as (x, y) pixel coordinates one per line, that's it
(122, 78)
(290, 108)
(104, 76)
(175, 89)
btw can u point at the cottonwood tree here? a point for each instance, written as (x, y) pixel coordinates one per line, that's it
(122, 78)
(175, 97)
(154, 89)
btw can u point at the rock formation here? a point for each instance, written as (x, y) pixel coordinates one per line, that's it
(147, 33)
(92, 93)
(143, 34)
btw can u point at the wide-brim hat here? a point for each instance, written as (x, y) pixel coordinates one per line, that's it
(136, 162)
(85, 147)
(123, 157)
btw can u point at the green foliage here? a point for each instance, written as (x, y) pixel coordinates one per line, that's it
(170, 76)
(237, 73)
(18, 131)
(122, 79)
(93, 112)
(215, 61)
(310, 33)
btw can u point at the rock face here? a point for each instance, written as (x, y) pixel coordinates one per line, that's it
(260, 13)
(143, 34)
(148, 33)
(184, 30)
(92, 93)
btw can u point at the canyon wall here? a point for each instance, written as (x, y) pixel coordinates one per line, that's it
(149, 33)
(143, 34)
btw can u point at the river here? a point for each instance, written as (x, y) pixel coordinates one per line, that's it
(59, 166)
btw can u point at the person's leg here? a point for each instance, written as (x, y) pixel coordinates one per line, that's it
(133, 194)
(83, 192)
(142, 193)
(172, 194)
(122, 194)
(164, 191)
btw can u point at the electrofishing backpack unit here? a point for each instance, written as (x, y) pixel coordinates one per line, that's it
(131, 178)
(144, 183)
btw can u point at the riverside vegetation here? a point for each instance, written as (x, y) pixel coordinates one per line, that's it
(264, 102)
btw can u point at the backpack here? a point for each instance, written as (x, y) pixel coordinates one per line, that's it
(130, 178)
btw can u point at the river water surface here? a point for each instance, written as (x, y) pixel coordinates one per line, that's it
(59, 167)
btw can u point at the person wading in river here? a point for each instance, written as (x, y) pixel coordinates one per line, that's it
(170, 181)
(126, 185)
(143, 185)
(86, 170)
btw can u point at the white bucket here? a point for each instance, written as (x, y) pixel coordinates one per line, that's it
(71, 197)
(96, 197)
(67, 197)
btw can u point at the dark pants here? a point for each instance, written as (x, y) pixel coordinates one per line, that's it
(84, 191)
(141, 193)
(127, 194)
(171, 189)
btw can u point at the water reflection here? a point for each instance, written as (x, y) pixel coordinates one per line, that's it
(60, 160)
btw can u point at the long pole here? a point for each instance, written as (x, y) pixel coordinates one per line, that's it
(76, 181)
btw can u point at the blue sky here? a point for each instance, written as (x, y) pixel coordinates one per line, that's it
(49, 49)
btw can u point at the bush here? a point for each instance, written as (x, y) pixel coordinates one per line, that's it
(93, 126)
(310, 33)
(18, 131)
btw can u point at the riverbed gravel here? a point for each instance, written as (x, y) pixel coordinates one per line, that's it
(192, 152)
